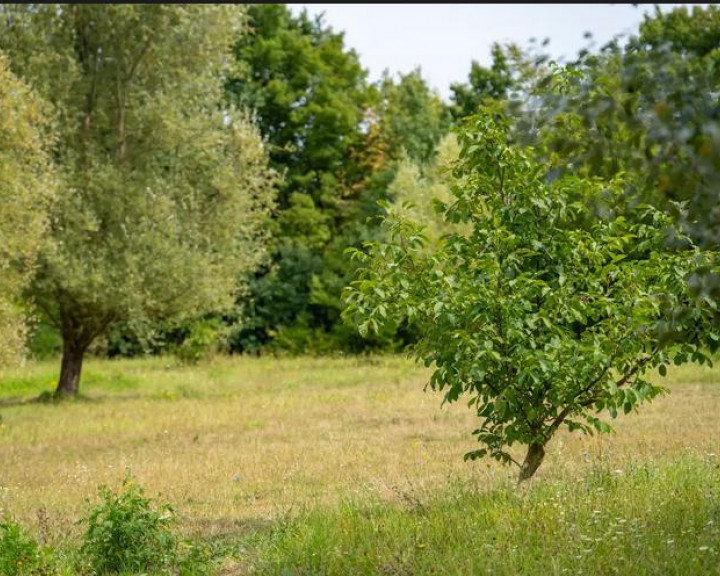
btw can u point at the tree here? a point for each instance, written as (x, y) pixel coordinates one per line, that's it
(485, 85)
(544, 308)
(162, 191)
(679, 51)
(406, 128)
(337, 139)
(646, 106)
(410, 117)
(310, 96)
(649, 107)
(417, 188)
(26, 185)
(693, 30)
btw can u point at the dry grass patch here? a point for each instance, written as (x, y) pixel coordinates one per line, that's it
(239, 442)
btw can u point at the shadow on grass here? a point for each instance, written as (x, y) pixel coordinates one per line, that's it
(51, 398)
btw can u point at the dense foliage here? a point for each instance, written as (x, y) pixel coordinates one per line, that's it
(545, 306)
(485, 85)
(309, 94)
(650, 108)
(26, 186)
(19, 553)
(332, 135)
(162, 192)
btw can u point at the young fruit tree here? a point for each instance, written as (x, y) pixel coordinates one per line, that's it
(544, 305)
(162, 191)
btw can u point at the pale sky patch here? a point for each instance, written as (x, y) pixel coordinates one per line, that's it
(442, 39)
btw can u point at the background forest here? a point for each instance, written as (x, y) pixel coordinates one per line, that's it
(333, 146)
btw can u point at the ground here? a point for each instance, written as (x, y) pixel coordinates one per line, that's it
(238, 444)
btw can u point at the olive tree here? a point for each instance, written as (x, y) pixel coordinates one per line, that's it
(162, 192)
(544, 307)
(26, 186)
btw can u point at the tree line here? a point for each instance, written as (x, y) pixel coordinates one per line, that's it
(178, 177)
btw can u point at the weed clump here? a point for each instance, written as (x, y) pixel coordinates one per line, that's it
(19, 553)
(126, 533)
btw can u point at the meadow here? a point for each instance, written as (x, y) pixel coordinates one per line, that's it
(347, 466)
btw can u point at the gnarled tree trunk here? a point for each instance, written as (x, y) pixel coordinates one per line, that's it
(76, 340)
(533, 459)
(70, 368)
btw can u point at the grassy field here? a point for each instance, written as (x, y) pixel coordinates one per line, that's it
(345, 466)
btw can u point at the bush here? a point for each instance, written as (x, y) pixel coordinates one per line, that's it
(45, 342)
(19, 553)
(200, 343)
(125, 533)
(297, 339)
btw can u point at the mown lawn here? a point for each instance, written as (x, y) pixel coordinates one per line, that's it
(346, 466)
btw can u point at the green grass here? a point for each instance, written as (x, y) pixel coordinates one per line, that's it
(41, 377)
(344, 466)
(167, 377)
(650, 520)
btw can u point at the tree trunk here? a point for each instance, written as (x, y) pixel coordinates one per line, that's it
(70, 368)
(533, 459)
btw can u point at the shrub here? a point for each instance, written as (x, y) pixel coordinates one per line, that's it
(200, 343)
(19, 553)
(45, 342)
(126, 533)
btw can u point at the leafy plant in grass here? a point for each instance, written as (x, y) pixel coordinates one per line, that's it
(200, 342)
(544, 306)
(19, 553)
(127, 534)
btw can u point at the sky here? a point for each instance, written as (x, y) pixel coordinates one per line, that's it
(443, 39)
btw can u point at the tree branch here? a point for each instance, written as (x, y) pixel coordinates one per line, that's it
(583, 404)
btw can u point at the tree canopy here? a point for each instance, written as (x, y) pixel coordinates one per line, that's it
(487, 85)
(649, 107)
(545, 307)
(162, 192)
(26, 187)
(335, 137)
